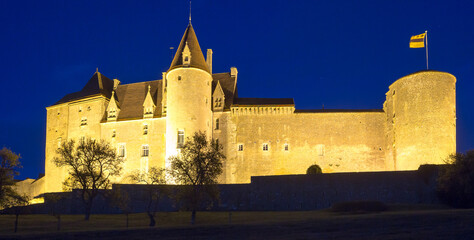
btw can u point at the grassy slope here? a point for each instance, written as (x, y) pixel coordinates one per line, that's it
(402, 223)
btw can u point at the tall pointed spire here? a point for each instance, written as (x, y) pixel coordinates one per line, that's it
(196, 58)
(189, 11)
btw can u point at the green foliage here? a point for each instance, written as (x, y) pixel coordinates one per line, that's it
(9, 165)
(198, 165)
(359, 207)
(314, 169)
(456, 180)
(90, 165)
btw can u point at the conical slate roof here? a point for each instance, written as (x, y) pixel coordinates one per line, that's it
(197, 58)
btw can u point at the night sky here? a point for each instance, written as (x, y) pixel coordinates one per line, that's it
(343, 54)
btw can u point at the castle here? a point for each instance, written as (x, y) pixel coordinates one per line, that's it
(149, 121)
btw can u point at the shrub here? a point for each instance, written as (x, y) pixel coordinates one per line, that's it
(456, 181)
(359, 207)
(314, 169)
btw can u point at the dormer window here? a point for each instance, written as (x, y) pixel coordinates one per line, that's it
(148, 105)
(186, 56)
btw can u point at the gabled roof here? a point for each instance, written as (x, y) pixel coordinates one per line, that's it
(228, 84)
(263, 101)
(197, 58)
(131, 98)
(98, 84)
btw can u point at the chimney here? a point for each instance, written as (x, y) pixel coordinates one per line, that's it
(209, 59)
(233, 72)
(116, 83)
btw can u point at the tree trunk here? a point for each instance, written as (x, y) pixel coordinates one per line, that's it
(16, 222)
(59, 222)
(193, 217)
(88, 210)
(152, 220)
(126, 214)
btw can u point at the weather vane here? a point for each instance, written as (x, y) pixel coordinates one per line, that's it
(189, 11)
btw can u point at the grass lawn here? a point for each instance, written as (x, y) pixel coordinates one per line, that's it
(400, 222)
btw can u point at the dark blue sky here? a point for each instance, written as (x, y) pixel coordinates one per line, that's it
(343, 54)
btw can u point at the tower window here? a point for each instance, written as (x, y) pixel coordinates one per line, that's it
(180, 138)
(121, 151)
(179, 78)
(240, 147)
(145, 129)
(217, 124)
(145, 150)
(265, 147)
(113, 133)
(286, 147)
(186, 59)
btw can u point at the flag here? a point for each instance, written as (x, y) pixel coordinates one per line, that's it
(417, 41)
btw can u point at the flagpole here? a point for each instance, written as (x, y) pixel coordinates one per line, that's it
(426, 34)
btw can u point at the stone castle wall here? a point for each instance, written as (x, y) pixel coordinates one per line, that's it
(336, 141)
(421, 119)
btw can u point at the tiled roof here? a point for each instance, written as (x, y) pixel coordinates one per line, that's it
(131, 98)
(228, 84)
(197, 58)
(263, 101)
(98, 84)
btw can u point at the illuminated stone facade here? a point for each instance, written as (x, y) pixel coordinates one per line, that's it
(148, 121)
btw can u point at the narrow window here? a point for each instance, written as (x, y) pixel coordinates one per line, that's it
(240, 147)
(145, 129)
(145, 150)
(265, 147)
(321, 150)
(286, 147)
(217, 124)
(179, 78)
(122, 150)
(113, 133)
(180, 138)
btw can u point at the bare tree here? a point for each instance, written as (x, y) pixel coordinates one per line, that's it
(155, 176)
(9, 165)
(91, 164)
(198, 165)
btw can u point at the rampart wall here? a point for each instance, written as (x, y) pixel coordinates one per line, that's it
(336, 141)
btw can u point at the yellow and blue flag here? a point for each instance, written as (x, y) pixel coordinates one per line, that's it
(418, 41)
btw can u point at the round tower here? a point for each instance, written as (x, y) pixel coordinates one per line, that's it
(188, 94)
(421, 120)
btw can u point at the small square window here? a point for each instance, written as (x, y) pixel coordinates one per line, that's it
(265, 147)
(83, 121)
(240, 147)
(287, 147)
